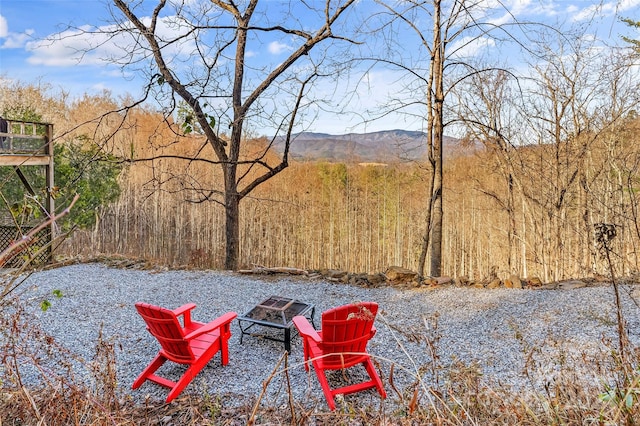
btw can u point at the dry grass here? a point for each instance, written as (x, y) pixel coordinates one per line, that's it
(452, 395)
(441, 394)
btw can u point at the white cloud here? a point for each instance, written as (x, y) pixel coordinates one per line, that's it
(275, 47)
(586, 13)
(518, 7)
(522, 9)
(624, 5)
(506, 11)
(16, 40)
(12, 40)
(471, 46)
(69, 48)
(4, 28)
(608, 8)
(98, 46)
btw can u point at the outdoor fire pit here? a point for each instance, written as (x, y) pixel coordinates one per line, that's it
(275, 312)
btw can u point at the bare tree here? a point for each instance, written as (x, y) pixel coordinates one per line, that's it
(206, 55)
(435, 60)
(488, 107)
(547, 129)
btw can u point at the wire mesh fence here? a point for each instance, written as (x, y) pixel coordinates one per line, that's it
(37, 253)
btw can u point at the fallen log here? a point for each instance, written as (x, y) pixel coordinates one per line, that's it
(274, 270)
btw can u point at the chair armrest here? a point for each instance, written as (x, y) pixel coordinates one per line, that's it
(373, 331)
(184, 308)
(186, 311)
(305, 329)
(210, 326)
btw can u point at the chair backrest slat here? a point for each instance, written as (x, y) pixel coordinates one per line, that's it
(164, 325)
(348, 328)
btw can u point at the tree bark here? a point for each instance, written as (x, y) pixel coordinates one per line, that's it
(437, 126)
(232, 229)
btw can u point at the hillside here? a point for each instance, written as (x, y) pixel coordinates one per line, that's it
(383, 146)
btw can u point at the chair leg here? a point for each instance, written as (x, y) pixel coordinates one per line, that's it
(326, 389)
(371, 370)
(224, 350)
(186, 378)
(305, 352)
(151, 368)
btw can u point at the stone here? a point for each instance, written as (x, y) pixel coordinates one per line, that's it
(550, 286)
(477, 285)
(358, 279)
(494, 284)
(376, 280)
(514, 282)
(444, 280)
(398, 274)
(333, 273)
(461, 281)
(430, 282)
(571, 285)
(534, 282)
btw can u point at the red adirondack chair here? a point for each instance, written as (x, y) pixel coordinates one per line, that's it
(191, 343)
(341, 343)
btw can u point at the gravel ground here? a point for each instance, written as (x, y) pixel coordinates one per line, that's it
(496, 329)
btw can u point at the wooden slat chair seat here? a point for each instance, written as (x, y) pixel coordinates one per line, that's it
(341, 343)
(190, 343)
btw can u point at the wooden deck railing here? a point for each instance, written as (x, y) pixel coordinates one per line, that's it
(28, 143)
(25, 143)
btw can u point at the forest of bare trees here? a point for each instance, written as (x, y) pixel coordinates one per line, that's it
(544, 157)
(364, 218)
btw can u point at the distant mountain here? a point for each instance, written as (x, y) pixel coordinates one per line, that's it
(380, 147)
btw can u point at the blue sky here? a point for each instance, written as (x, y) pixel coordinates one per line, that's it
(23, 57)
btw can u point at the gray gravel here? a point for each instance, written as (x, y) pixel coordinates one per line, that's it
(499, 330)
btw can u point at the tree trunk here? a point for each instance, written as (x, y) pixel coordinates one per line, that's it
(436, 213)
(232, 219)
(426, 238)
(513, 230)
(232, 231)
(437, 126)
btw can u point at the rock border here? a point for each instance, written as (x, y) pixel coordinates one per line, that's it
(398, 276)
